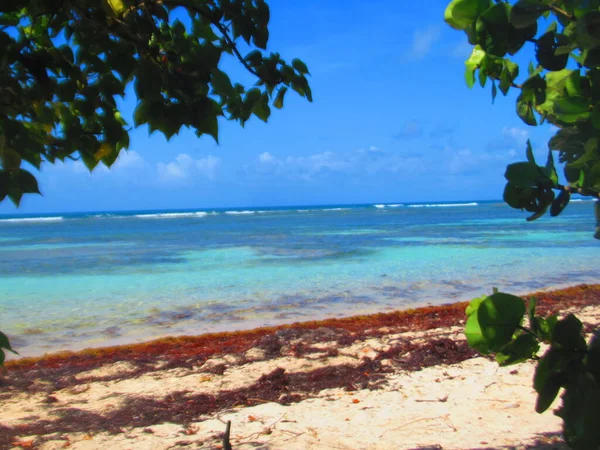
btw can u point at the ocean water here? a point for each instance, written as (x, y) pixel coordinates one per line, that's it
(70, 281)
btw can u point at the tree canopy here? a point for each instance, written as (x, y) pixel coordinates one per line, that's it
(64, 64)
(561, 87)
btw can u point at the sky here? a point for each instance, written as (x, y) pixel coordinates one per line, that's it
(392, 121)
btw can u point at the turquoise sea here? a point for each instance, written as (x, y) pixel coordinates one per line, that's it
(69, 281)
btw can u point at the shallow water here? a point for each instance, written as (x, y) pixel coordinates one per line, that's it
(68, 281)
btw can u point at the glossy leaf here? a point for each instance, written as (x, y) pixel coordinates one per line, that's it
(520, 349)
(460, 14)
(499, 315)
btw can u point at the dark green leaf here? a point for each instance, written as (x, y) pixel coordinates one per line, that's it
(525, 111)
(4, 343)
(545, 327)
(567, 334)
(529, 153)
(548, 379)
(278, 103)
(522, 174)
(261, 108)
(27, 182)
(593, 356)
(300, 66)
(560, 203)
(545, 51)
(518, 350)
(588, 30)
(572, 109)
(580, 412)
(493, 29)
(525, 13)
(11, 160)
(531, 313)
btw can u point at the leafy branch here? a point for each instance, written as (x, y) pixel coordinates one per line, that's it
(563, 89)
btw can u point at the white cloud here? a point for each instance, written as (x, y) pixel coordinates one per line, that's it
(208, 166)
(423, 41)
(266, 158)
(185, 167)
(520, 134)
(129, 160)
(358, 162)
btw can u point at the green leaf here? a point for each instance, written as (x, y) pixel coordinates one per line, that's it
(545, 51)
(524, 347)
(529, 153)
(221, 82)
(27, 182)
(548, 379)
(545, 327)
(261, 108)
(588, 30)
(460, 14)
(560, 203)
(531, 313)
(522, 174)
(510, 71)
(116, 6)
(595, 116)
(525, 111)
(11, 160)
(474, 305)
(300, 66)
(4, 343)
(518, 197)
(580, 412)
(593, 356)
(525, 13)
(493, 29)
(278, 103)
(572, 109)
(472, 64)
(567, 334)
(499, 315)
(474, 335)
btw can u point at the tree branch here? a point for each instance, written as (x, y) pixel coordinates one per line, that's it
(580, 191)
(561, 11)
(223, 30)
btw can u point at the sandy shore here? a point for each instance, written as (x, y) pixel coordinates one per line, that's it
(403, 380)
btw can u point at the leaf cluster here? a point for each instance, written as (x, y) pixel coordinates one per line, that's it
(562, 87)
(63, 65)
(495, 325)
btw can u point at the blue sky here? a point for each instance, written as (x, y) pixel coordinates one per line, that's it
(392, 121)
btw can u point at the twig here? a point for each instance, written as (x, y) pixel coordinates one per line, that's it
(558, 10)
(443, 399)
(226, 443)
(223, 30)
(414, 421)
